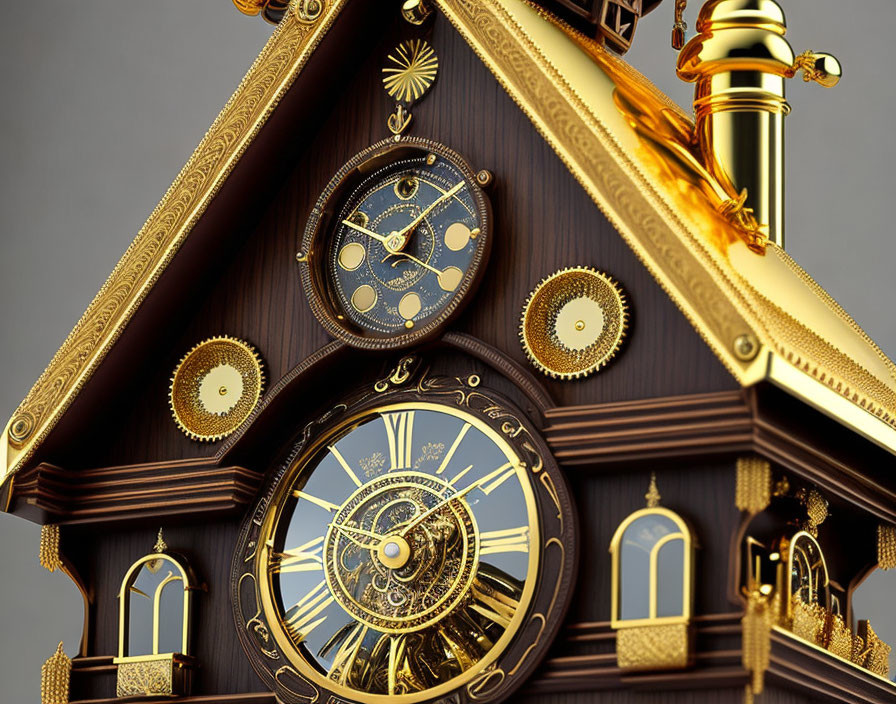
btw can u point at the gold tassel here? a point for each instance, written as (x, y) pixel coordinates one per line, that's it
(757, 640)
(886, 546)
(49, 547)
(54, 678)
(754, 484)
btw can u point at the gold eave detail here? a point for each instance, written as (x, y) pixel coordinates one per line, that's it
(270, 76)
(633, 151)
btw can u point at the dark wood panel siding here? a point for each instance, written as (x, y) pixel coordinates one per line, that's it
(544, 221)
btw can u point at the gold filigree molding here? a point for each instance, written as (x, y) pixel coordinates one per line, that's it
(654, 647)
(268, 79)
(587, 104)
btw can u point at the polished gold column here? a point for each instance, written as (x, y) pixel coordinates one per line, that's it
(739, 60)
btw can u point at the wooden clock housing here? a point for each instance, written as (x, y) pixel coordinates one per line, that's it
(719, 391)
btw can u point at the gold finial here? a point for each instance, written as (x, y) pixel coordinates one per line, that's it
(49, 547)
(653, 494)
(680, 26)
(54, 678)
(161, 545)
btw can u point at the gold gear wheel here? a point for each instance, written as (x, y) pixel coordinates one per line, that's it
(574, 322)
(215, 387)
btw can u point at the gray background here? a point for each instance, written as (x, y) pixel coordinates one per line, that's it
(105, 100)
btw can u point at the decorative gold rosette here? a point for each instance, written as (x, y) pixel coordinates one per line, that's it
(574, 322)
(215, 387)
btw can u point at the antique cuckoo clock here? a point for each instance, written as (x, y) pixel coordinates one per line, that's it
(427, 430)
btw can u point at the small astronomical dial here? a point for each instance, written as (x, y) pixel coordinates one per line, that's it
(395, 245)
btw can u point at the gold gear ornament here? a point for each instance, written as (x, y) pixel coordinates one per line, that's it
(574, 323)
(215, 387)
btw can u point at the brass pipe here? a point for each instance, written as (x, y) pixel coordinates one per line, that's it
(739, 60)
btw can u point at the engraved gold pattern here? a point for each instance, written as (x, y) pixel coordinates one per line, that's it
(574, 323)
(652, 647)
(49, 547)
(886, 546)
(215, 387)
(754, 484)
(146, 677)
(268, 79)
(55, 675)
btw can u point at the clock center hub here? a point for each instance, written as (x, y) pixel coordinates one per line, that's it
(394, 552)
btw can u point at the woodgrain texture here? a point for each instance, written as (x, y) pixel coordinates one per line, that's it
(543, 221)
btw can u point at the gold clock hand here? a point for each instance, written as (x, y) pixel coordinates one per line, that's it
(426, 514)
(348, 529)
(393, 243)
(406, 231)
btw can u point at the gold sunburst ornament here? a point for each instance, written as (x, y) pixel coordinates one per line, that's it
(215, 387)
(574, 323)
(410, 70)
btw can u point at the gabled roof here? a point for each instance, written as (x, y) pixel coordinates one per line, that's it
(628, 146)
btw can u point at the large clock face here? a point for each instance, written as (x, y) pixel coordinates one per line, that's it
(403, 554)
(394, 245)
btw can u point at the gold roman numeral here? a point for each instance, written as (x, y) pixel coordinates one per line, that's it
(453, 448)
(396, 655)
(399, 432)
(348, 470)
(305, 558)
(323, 503)
(348, 651)
(509, 540)
(493, 480)
(492, 604)
(301, 618)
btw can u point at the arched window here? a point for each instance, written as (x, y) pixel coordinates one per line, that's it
(651, 563)
(154, 605)
(652, 595)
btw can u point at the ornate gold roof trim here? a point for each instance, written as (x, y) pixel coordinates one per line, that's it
(626, 143)
(633, 152)
(270, 76)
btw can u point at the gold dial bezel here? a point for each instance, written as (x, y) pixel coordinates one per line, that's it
(273, 515)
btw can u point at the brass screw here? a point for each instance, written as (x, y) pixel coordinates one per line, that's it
(431, 159)
(484, 178)
(746, 347)
(301, 257)
(416, 11)
(20, 429)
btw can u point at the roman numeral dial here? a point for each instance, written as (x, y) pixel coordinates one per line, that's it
(406, 555)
